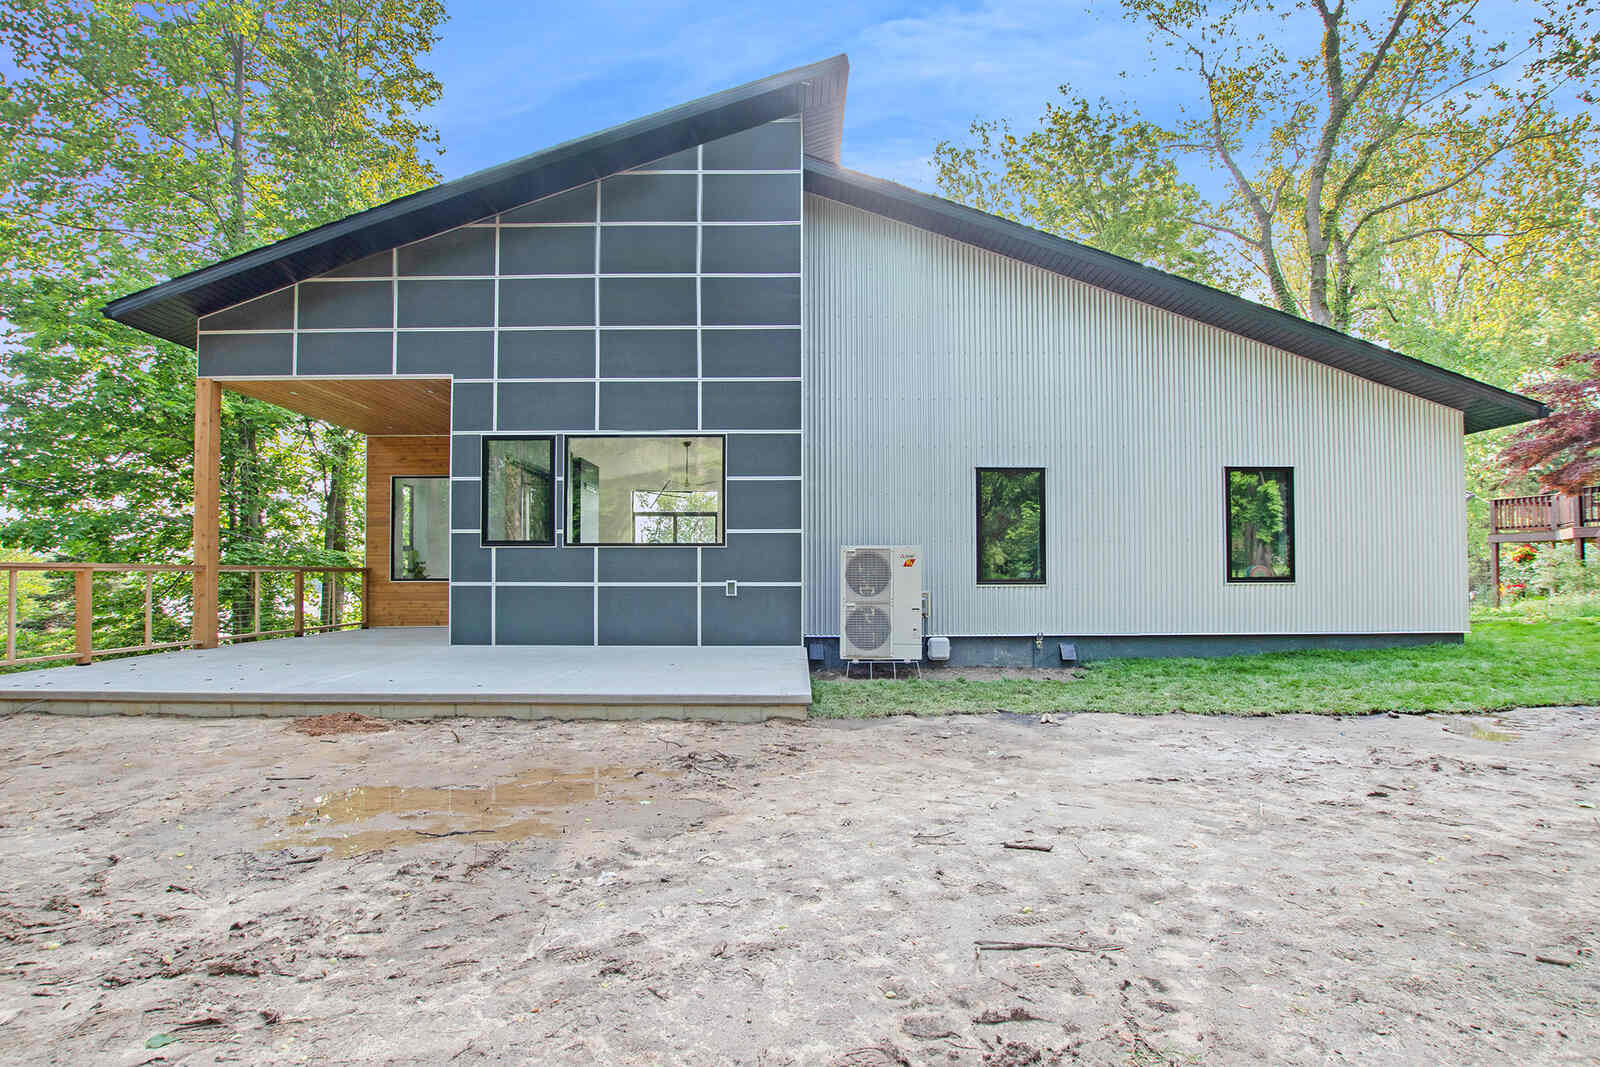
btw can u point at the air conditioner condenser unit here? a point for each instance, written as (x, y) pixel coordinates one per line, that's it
(880, 602)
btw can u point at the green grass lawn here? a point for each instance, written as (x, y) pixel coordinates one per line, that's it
(1504, 663)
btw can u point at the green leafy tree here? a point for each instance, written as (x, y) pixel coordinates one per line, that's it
(1088, 173)
(1404, 174)
(143, 141)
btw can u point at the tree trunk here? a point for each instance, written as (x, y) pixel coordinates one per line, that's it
(236, 146)
(336, 513)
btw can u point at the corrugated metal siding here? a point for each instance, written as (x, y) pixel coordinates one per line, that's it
(926, 358)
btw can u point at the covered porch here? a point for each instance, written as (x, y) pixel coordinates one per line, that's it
(226, 640)
(413, 672)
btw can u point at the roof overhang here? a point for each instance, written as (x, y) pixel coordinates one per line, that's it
(816, 92)
(1483, 406)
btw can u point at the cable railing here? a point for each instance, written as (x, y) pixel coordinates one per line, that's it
(85, 611)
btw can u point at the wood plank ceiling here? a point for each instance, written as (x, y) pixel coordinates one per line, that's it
(377, 407)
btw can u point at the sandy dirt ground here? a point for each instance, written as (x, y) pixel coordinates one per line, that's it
(1290, 890)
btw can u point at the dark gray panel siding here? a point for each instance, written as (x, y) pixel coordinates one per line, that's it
(378, 265)
(545, 565)
(751, 353)
(649, 198)
(647, 615)
(469, 250)
(547, 302)
(469, 560)
(648, 249)
(751, 250)
(547, 354)
(685, 160)
(647, 301)
(544, 615)
(764, 505)
(466, 455)
(647, 564)
(774, 146)
(647, 405)
(546, 406)
(346, 305)
(759, 615)
(465, 505)
(753, 405)
(632, 305)
(753, 454)
(648, 353)
(754, 558)
(471, 619)
(462, 355)
(574, 205)
(750, 301)
(345, 354)
(752, 197)
(472, 406)
(275, 311)
(446, 303)
(260, 354)
(547, 250)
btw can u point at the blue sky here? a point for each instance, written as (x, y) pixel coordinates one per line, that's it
(519, 80)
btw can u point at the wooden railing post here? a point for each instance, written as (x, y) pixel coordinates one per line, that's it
(300, 603)
(11, 613)
(207, 464)
(83, 613)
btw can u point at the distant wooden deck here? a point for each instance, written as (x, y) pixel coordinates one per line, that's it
(1546, 517)
(414, 672)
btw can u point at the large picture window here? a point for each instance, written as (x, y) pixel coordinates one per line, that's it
(1260, 515)
(1010, 525)
(419, 529)
(519, 491)
(645, 490)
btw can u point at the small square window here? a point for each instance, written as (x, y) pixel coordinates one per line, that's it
(519, 491)
(1259, 505)
(1010, 525)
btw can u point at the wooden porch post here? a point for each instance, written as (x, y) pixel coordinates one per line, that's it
(1494, 571)
(207, 464)
(83, 614)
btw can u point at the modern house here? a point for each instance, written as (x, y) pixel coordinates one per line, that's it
(640, 388)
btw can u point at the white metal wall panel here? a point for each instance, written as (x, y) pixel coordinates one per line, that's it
(926, 358)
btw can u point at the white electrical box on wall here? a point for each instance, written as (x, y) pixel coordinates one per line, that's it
(880, 602)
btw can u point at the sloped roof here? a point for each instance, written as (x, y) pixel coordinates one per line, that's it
(1484, 406)
(171, 309)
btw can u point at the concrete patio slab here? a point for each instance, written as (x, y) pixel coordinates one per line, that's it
(414, 672)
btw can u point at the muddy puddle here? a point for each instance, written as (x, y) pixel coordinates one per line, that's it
(371, 818)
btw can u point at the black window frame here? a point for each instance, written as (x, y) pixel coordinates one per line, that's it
(483, 490)
(977, 512)
(394, 505)
(1227, 525)
(566, 511)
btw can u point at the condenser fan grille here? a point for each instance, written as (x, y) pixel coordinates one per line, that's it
(867, 573)
(867, 628)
